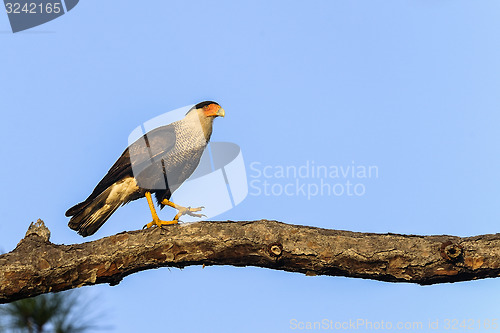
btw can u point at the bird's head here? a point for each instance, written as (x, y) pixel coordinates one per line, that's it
(210, 109)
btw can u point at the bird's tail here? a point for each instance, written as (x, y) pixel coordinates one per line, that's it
(88, 216)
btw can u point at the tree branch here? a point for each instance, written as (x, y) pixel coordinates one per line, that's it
(37, 266)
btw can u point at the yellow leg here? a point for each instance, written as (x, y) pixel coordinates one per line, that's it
(156, 220)
(183, 210)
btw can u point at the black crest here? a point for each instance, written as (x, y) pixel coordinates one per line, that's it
(202, 104)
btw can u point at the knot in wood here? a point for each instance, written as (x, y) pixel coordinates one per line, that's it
(451, 251)
(275, 249)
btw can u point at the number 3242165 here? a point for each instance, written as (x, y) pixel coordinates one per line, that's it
(453, 324)
(33, 8)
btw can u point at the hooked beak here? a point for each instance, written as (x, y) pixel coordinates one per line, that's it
(221, 112)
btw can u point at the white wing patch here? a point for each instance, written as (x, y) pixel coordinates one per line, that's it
(120, 191)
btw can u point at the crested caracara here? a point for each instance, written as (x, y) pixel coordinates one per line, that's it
(157, 163)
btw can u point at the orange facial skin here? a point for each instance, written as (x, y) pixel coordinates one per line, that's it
(213, 110)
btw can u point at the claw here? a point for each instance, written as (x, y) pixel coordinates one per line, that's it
(159, 223)
(196, 215)
(188, 211)
(182, 211)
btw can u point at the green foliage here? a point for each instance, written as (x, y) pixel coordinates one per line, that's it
(56, 312)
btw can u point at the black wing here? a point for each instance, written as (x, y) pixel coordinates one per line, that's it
(136, 157)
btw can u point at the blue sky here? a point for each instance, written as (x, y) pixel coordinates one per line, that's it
(411, 87)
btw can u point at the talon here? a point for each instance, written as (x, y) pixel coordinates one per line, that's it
(195, 215)
(197, 209)
(188, 211)
(160, 223)
(149, 225)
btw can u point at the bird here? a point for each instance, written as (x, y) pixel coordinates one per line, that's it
(156, 163)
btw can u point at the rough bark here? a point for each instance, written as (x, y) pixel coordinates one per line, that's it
(38, 266)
